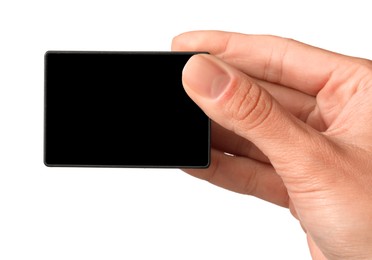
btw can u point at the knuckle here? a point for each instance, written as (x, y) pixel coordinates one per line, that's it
(365, 63)
(249, 105)
(250, 184)
(274, 65)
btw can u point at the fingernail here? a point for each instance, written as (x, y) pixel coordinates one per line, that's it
(205, 77)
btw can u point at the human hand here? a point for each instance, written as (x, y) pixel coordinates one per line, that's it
(298, 122)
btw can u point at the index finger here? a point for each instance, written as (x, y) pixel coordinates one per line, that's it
(270, 58)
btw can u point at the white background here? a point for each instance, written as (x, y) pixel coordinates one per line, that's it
(68, 213)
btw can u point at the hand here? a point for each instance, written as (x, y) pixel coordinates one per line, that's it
(292, 124)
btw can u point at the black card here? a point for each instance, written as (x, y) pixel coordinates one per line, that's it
(122, 109)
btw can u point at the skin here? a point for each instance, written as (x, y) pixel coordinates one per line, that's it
(291, 125)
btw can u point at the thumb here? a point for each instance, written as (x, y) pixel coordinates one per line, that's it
(238, 103)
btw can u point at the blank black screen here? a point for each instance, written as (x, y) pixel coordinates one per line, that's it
(121, 109)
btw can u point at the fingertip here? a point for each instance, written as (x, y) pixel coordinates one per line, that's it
(205, 76)
(200, 40)
(175, 43)
(179, 42)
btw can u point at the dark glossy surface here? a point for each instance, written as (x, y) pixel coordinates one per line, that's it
(118, 109)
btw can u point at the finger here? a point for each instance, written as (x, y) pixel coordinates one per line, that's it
(245, 176)
(297, 103)
(229, 142)
(238, 104)
(274, 59)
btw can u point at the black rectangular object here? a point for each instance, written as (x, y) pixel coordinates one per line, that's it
(121, 109)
